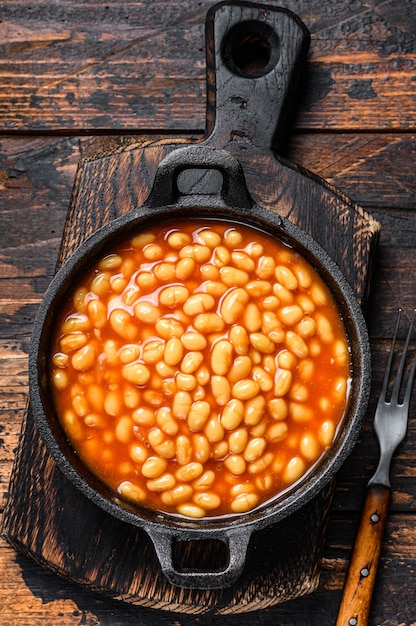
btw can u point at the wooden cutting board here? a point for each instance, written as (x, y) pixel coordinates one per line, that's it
(254, 57)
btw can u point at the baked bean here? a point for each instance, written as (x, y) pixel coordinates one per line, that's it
(147, 312)
(198, 415)
(306, 327)
(276, 432)
(341, 352)
(219, 450)
(178, 240)
(326, 433)
(272, 327)
(132, 492)
(254, 410)
(235, 464)
(266, 267)
(182, 402)
(278, 408)
(168, 327)
(84, 358)
(209, 323)
(262, 343)
(136, 373)
(166, 422)
(237, 440)
(260, 464)
(129, 353)
(240, 369)
(270, 303)
(191, 510)
(210, 238)
(215, 288)
(100, 285)
(194, 341)
(298, 392)
(254, 449)
(207, 500)
(154, 466)
(190, 471)
(189, 362)
(146, 281)
(205, 481)
(294, 470)
(300, 412)
(144, 416)
(239, 339)
(296, 344)
(221, 357)
(196, 251)
(173, 351)
(124, 429)
(161, 483)
(153, 252)
(244, 502)
(251, 318)
(283, 382)
(185, 382)
(290, 315)
(232, 414)
(201, 448)
(142, 239)
(185, 268)
(233, 305)
(60, 379)
(209, 272)
(80, 405)
(121, 323)
(173, 296)
(138, 453)
(262, 378)
(221, 389)
(245, 389)
(165, 272)
(309, 447)
(177, 495)
(214, 430)
(232, 276)
(258, 288)
(198, 303)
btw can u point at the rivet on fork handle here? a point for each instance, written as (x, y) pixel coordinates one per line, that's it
(390, 425)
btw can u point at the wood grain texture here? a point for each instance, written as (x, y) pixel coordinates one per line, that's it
(142, 66)
(361, 143)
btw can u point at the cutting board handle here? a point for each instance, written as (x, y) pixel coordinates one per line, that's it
(254, 56)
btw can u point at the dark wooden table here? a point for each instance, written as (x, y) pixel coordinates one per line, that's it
(77, 75)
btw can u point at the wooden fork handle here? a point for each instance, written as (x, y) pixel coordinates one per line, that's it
(359, 584)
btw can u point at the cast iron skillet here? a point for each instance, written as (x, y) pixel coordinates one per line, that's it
(231, 202)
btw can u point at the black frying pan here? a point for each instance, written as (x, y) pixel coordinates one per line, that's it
(229, 200)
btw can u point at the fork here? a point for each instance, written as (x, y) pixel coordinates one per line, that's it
(390, 425)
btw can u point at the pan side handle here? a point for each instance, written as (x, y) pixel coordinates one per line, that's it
(236, 542)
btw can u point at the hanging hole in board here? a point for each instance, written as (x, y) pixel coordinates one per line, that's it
(251, 49)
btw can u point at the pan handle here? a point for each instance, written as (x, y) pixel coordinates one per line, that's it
(235, 540)
(233, 191)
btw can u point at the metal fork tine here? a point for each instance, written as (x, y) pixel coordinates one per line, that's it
(399, 375)
(387, 371)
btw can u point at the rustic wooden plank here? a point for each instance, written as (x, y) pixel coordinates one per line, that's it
(40, 596)
(376, 170)
(142, 66)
